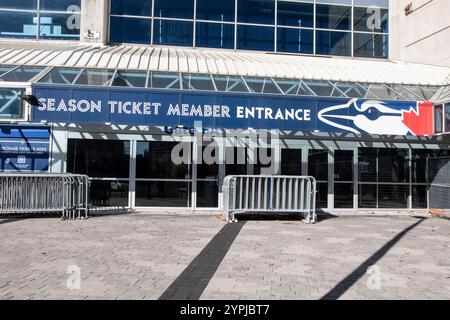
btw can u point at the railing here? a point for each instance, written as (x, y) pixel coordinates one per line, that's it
(45, 193)
(290, 194)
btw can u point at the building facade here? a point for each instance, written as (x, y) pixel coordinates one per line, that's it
(112, 88)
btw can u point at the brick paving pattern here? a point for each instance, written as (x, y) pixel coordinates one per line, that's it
(140, 256)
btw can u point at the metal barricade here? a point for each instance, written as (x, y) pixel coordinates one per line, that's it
(290, 194)
(45, 193)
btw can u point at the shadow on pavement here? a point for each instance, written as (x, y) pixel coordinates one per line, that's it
(359, 272)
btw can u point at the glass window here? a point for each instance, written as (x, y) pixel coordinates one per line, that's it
(95, 77)
(215, 10)
(367, 164)
(61, 75)
(205, 170)
(18, 24)
(235, 160)
(256, 11)
(130, 79)
(393, 165)
(370, 45)
(130, 30)
(333, 17)
(198, 82)
(291, 162)
(295, 40)
(343, 165)
(153, 160)
(343, 195)
(288, 86)
(60, 5)
(318, 164)
(61, 26)
(5, 68)
(10, 104)
(447, 117)
(367, 196)
(178, 33)
(106, 193)
(262, 156)
(99, 158)
(322, 88)
(255, 38)
(174, 9)
(207, 194)
(353, 90)
(261, 85)
(163, 193)
(132, 7)
(215, 35)
(419, 162)
(380, 3)
(438, 118)
(392, 196)
(230, 84)
(22, 74)
(163, 80)
(333, 43)
(296, 14)
(371, 19)
(419, 197)
(22, 4)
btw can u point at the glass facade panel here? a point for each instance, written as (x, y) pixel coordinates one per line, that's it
(343, 165)
(22, 74)
(333, 43)
(130, 79)
(215, 35)
(367, 164)
(207, 194)
(419, 197)
(109, 193)
(130, 30)
(10, 104)
(371, 19)
(18, 24)
(163, 80)
(295, 40)
(95, 77)
(59, 26)
(256, 11)
(60, 75)
(255, 38)
(153, 160)
(393, 165)
(367, 196)
(318, 164)
(132, 7)
(177, 33)
(236, 160)
(19, 5)
(288, 86)
(59, 5)
(438, 118)
(230, 84)
(99, 158)
(343, 195)
(174, 9)
(447, 117)
(295, 14)
(320, 88)
(333, 17)
(261, 85)
(392, 196)
(291, 162)
(198, 82)
(264, 158)
(216, 10)
(370, 45)
(163, 193)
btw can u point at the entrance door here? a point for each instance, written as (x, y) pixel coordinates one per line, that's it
(159, 181)
(208, 177)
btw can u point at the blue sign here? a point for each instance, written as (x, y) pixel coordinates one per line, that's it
(24, 148)
(131, 106)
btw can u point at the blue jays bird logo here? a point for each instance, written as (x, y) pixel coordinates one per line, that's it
(379, 117)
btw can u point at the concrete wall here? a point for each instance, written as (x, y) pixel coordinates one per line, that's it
(423, 36)
(94, 17)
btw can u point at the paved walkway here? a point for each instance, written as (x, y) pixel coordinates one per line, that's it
(148, 257)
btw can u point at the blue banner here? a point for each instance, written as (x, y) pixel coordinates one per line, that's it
(131, 106)
(24, 148)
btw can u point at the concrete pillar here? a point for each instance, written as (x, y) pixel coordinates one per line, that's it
(94, 21)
